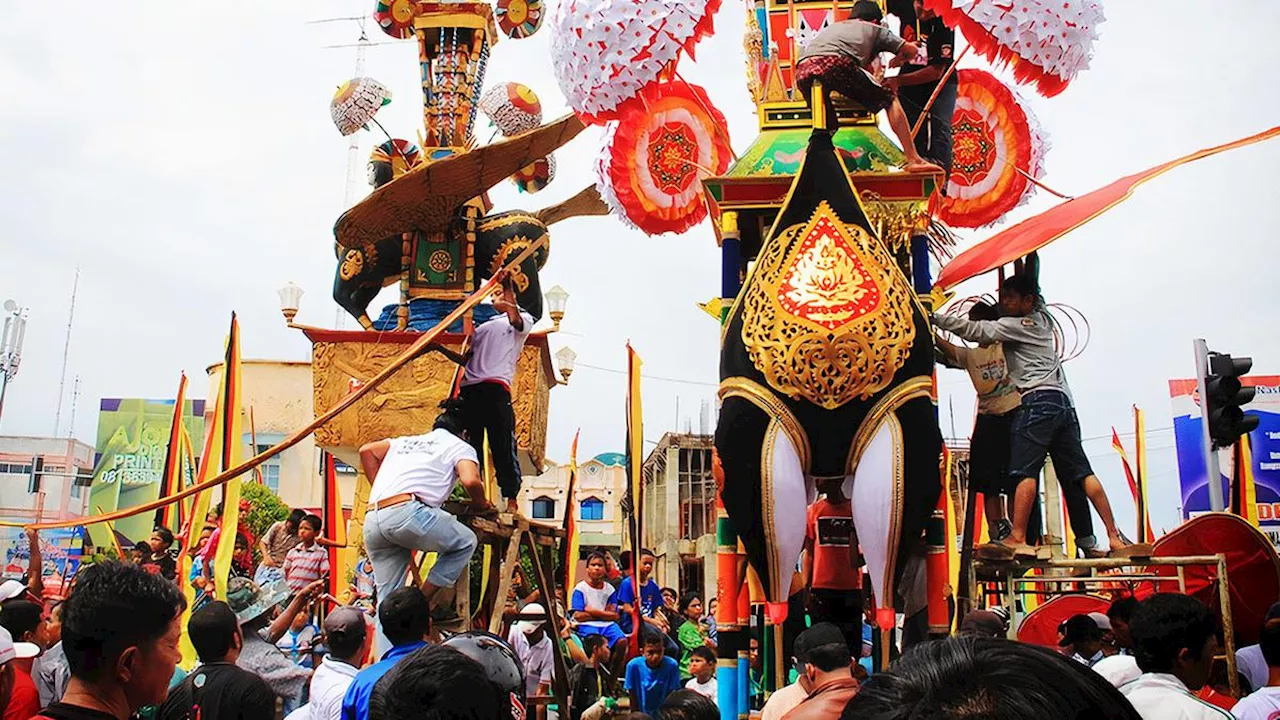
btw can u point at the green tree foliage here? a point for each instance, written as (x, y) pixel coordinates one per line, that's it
(265, 508)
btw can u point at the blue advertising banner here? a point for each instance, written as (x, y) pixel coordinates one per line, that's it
(1265, 439)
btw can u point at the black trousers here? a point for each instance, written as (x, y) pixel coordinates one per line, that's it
(843, 608)
(489, 410)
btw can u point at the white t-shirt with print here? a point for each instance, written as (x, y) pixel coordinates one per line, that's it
(422, 465)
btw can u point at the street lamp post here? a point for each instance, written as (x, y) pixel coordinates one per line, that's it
(565, 358)
(15, 328)
(557, 298)
(290, 298)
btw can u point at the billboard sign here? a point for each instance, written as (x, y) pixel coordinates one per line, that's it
(60, 551)
(1265, 442)
(133, 438)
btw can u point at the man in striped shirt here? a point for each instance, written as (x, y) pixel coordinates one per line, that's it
(307, 561)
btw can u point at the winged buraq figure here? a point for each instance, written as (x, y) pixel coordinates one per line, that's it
(420, 225)
(825, 370)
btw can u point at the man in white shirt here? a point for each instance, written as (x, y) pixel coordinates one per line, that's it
(486, 386)
(1264, 703)
(1174, 641)
(347, 637)
(533, 646)
(412, 477)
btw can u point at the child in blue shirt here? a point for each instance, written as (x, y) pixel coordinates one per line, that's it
(653, 676)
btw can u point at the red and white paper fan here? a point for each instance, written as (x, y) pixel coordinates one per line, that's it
(994, 135)
(1047, 42)
(606, 51)
(656, 156)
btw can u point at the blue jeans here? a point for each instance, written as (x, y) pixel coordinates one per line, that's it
(391, 535)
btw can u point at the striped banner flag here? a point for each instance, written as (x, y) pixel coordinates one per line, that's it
(635, 485)
(168, 515)
(228, 426)
(335, 525)
(572, 541)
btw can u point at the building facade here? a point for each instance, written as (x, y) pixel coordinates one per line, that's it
(44, 479)
(601, 485)
(679, 512)
(278, 397)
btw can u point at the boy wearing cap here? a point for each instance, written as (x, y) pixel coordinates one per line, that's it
(347, 636)
(17, 691)
(218, 688)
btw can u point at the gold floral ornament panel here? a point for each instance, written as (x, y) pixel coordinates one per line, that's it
(409, 401)
(827, 314)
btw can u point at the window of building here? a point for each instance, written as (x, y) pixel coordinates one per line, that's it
(270, 469)
(697, 493)
(76, 490)
(544, 508)
(591, 509)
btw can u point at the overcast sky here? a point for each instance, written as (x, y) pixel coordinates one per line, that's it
(182, 156)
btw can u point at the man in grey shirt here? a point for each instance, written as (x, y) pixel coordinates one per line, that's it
(839, 56)
(1046, 422)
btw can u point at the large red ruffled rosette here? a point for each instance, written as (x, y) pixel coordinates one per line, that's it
(1047, 42)
(657, 154)
(605, 52)
(994, 135)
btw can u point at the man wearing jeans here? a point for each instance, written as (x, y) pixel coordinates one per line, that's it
(1045, 423)
(412, 477)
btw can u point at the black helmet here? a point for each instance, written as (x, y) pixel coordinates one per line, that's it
(501, 665)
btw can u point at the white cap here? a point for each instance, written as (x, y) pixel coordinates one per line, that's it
(10, 649)
(10, 589)
(528, 626)
(1101, 620)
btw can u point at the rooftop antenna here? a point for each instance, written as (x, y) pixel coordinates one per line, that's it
(15, 329)
(66, 349)
(75, 400)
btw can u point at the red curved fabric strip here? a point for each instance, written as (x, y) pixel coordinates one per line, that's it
(1036, 232)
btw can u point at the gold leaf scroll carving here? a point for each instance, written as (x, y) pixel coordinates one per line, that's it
(827, 313)
(408, 402)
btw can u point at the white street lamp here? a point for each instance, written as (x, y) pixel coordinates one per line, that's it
(290, 297)
(565, 358)
(557, 298)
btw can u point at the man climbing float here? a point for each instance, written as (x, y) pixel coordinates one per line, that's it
(412, 477)
(490, 368)
(839, 56)
(1045, 422)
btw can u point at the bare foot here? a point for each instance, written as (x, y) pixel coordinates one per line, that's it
(921, 165)
(513, 507)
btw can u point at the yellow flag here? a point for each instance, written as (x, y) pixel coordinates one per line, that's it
(231, 454)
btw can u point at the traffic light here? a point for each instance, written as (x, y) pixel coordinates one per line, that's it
(1224, 396)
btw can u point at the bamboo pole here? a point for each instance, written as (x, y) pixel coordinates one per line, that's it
(417, 348)
(1228, 629)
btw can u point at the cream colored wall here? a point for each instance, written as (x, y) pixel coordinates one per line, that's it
(280, 393)
(606, 482)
